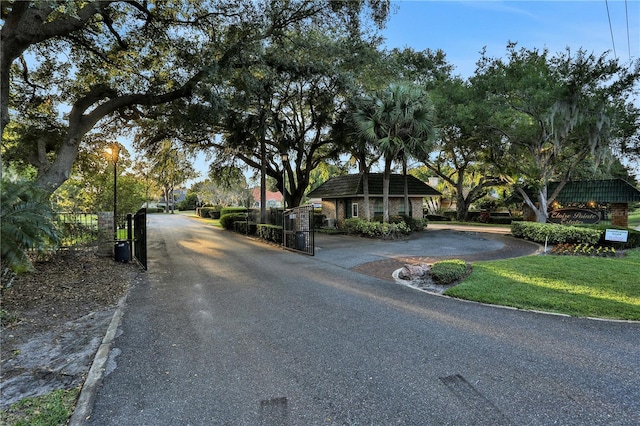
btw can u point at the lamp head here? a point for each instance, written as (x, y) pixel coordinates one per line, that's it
(114, 151)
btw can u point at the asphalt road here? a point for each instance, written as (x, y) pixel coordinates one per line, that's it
(225, 330)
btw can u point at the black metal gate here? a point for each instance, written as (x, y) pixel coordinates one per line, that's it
(140, 237)
(298, 230)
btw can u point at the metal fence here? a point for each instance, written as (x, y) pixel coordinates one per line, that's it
(81, 229)
(77, 229)
(298, 230)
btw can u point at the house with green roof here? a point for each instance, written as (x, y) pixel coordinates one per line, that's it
(603, 197)
(343, 196)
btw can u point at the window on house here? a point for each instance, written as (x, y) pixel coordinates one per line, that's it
(378, 208)
(354, 210)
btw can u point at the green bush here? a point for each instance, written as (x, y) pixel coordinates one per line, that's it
(270, 233)
(244, 227)
(554, 234)
(206, 211)
(232, 210)
(227, 220)
(448, 271)
(356, 226)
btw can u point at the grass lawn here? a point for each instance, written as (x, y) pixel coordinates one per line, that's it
(573, 285)
(192, 213)
(54, 408)
(634, 218)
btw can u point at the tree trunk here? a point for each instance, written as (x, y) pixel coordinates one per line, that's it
(406, 186)
(263, 181)
(462, 208)
(365, 190)
(386, 177)
(539, 210)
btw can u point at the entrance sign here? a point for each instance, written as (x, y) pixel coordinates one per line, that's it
(617, 235)
(574, 217)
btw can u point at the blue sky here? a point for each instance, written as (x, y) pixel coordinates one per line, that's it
(462, 28)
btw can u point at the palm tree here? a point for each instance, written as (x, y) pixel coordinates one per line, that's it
(26, 223)
(399, 120)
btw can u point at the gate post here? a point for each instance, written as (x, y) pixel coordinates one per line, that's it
(105, 232)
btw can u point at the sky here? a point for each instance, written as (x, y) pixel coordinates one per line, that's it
(463, 28)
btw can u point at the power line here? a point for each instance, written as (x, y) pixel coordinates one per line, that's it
(626, 11)
(606, 2)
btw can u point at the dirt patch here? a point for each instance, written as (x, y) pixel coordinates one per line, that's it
(54, 319)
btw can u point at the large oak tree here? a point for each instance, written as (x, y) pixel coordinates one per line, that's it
(551, 113)
(83, 64)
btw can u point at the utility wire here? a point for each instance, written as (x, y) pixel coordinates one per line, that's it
(606, 2)
(626, 11)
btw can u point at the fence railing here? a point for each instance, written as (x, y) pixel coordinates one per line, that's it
(81, 229)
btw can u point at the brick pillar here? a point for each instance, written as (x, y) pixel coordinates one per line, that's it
(105, 234)
(620, 214)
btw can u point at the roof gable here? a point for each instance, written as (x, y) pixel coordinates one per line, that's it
(351, 186)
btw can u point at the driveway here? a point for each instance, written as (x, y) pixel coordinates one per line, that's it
(228, 330)
(379, 258)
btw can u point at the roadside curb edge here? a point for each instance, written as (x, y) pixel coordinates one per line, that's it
(84, 405)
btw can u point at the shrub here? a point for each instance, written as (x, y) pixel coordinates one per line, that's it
(26, 223)
(356, 226)
(554, 234)
(244, 227)
(270, 233)
(232, 210)
(227, 220)
(448, 271)
(206, 211)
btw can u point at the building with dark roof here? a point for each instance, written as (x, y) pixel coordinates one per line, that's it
(605, 196)
(343, 196)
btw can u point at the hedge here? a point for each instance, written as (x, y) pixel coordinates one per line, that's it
(227, 220)
(206, 212)
(554, 234)
(232, 210)
(270, 233)
(244, 227)
(375, 229)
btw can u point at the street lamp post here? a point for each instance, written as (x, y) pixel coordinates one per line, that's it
(114, 152)
(284, 157)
